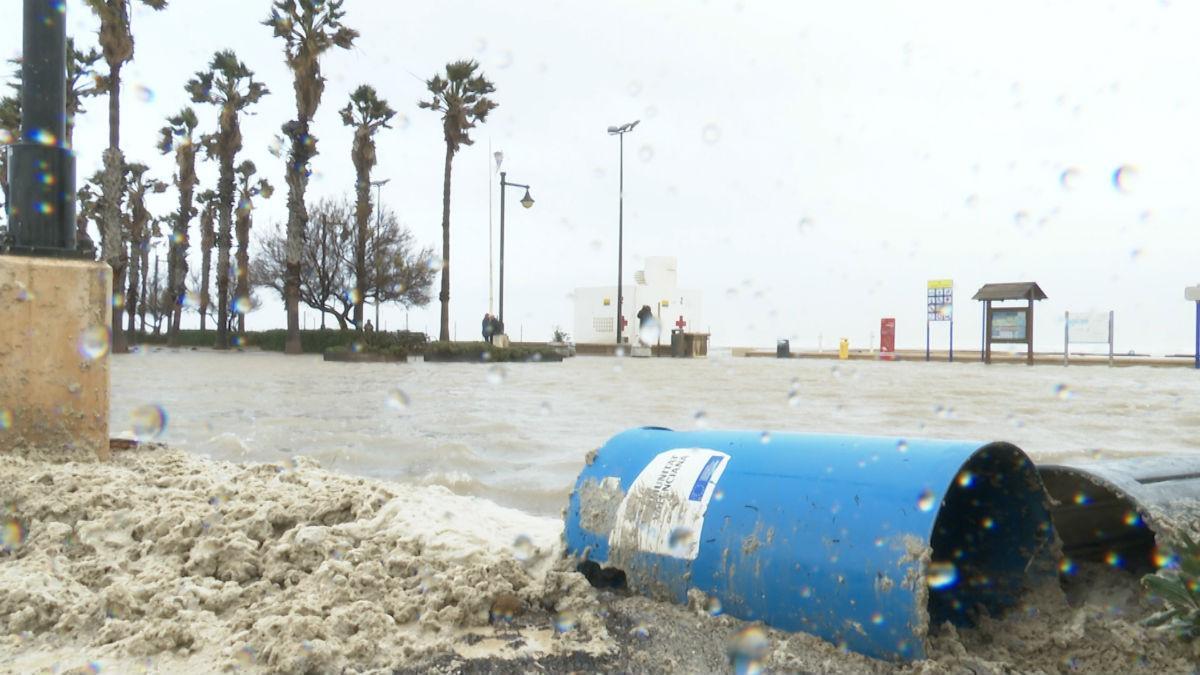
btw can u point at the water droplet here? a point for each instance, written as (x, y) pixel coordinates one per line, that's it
(6, 137)
(436, 264)
(988, 523)
(1113, 559)
(651, 112)
(649, 331)
(711, 133)
(765, 438)
(276, 146)
(620, 352)
(12, 534)
(1132, 519)
(118, 301)
(145, 94)
(398, 400)
(901, 445)
(42, 137)
(646, 153)
(1067, 566)
(506, 59)
(747, 650)
(1021, 218)
(1134, 254)
(877, 618)
(640, 631)
(1069, 178)
(965, 479)
(719, 495)
(496, 374)
(247, 656)
(712, 606)
(805, 224)
(191, 300)
(700, 418)
(545, 409)
(925, 500)
(1062, 392)
(242, 305)
(6, 419)
(635, 88)
(523, 547)
(94, 343)
(565, 621)
(1125, 178)
(941, 575)
(681, 540)
(149, 422)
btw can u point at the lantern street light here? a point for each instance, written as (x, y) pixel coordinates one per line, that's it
(527, 202)
(620, 132)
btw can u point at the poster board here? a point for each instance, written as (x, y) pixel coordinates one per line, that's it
(1009, 325)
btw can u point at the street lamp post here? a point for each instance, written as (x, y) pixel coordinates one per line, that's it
(621, 131)
(378, 185)
(527, 202)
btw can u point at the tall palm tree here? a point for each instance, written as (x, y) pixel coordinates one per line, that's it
(116, 43)
(248, 189)
(461, 98)
(208, 238)
(366, 113)
(230, 85)
(309, 28)
(179, 136)
(139, 185)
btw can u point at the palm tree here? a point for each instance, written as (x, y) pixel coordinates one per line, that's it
(229, 84)
(139, 236)
(367, 114)
(461, 98)
(178, 136)
(116, 43)
(309, 28)
(82, 82)
(208, 218)
(248, 189)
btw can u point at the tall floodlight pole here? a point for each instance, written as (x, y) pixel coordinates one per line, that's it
(620, 132)
(378, 185)
(527, 202)
(41, 209)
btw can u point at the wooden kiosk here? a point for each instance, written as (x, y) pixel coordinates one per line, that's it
(1008, 325)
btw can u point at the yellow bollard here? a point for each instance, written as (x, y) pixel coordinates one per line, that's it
(844, 349)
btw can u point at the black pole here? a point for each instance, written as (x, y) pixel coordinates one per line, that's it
(620, 236)
(502, 191)
(41, 211)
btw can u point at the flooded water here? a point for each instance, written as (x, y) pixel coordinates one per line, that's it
(517, 434)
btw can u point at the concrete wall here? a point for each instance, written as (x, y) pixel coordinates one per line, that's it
(54, 341)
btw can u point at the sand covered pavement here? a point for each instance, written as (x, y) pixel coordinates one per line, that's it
(160, 561)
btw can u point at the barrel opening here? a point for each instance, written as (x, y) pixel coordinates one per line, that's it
(992, 523)
(1097, 522)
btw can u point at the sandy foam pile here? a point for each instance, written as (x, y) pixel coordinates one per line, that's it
(160, 561)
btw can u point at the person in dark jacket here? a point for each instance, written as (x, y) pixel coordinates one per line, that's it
(488, 328)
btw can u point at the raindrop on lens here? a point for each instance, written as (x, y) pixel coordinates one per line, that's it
(6, 419)
(681, 539)
(712, 606)
(1062, 392)
(635, 88)
(711, 133)
(545, 408)
(747, 650)
(646, 153)
(242, 305)
(700, 418)
(12, 534)
(901, 445)
(191, 300)
(649, 331)
(1068, 178)
(941, 575)
(565, 621)
(496, 374)
(145, 94)
(522, 547)
(1124, 178)
(94, 343)
(149, 422)
(765, 437)
(926, 500)
(398, 400)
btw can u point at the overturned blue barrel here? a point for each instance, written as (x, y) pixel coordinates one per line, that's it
(861, 540)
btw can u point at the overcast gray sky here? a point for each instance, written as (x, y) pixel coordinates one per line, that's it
(811, 164)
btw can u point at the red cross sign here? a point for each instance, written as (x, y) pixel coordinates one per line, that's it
(680, 323)
(624, 323)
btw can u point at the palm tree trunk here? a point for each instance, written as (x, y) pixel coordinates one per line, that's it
(362, 213)
(145, 267)
(297, 218)
(205, 269)
(444, 296)
(113, 188)
(224, 244)
(243, 268)
(177, 263)
(131, 297)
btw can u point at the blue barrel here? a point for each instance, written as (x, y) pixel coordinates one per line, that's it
(860, 540)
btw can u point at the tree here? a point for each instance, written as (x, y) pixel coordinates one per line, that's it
(141, 230)
(248, 189)
(366, 113)
(230, 85)
(179, 136)
(160, 304)
(405, 275)
(461, 98)
(82, 82)
(116, 43)
(208, 239)
(309, 28)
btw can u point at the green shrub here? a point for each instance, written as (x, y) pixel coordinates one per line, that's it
(187, 338)
(311, 341)
(484, 352)
(1178, 586)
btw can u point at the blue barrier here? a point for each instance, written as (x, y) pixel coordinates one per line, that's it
(860, 540)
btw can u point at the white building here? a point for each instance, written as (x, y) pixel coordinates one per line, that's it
(655, 287)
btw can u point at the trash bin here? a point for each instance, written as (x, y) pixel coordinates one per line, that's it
(864, 541)
(679, 346)
(783, 349)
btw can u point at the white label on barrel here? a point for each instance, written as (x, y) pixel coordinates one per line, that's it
(663, 511)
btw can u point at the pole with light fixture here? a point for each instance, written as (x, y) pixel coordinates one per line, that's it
(378, 184)
(527, 202)
(621, 131)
